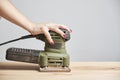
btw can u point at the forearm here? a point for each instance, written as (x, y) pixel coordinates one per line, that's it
(9, 12)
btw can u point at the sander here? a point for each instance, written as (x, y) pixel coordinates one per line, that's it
(53, 58)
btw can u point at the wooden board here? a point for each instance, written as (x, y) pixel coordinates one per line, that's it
(80, 71)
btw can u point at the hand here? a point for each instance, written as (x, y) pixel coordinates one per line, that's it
(43, 28)
(11, 13)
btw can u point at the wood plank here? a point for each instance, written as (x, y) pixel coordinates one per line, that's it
(80, 71)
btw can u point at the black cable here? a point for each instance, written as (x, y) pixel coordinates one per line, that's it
(23, 37)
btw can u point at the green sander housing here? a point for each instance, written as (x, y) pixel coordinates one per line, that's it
(53, 58)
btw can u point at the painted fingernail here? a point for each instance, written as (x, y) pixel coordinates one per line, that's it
(64, 35)
(52, 43)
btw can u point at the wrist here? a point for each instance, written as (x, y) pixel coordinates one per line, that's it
(30, 27)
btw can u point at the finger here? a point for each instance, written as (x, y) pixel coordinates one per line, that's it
(64, 27)
(48, 37)
(57, 30)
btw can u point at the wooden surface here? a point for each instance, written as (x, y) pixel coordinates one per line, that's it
(80, 71)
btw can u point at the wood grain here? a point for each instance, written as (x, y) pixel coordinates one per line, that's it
(80, 71)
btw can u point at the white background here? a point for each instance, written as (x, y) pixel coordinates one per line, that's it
(95, 25)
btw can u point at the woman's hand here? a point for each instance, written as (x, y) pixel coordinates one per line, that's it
(11, 13)
(43, 28)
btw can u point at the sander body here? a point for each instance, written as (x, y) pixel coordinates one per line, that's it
(53, 58)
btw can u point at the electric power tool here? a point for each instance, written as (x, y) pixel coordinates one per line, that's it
(53, 58)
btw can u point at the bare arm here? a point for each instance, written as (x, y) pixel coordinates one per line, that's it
(10, 12)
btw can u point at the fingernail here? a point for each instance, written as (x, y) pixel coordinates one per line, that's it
(52, 43)
(64, 35)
